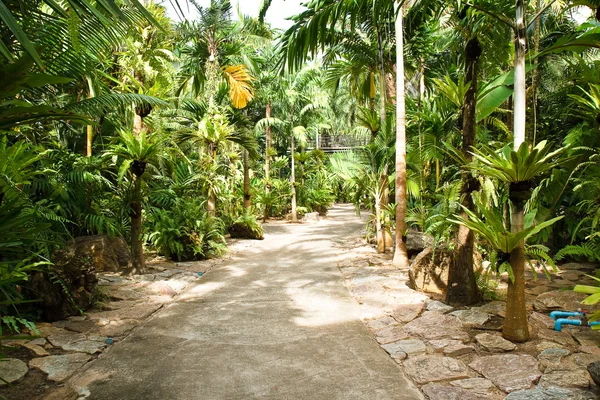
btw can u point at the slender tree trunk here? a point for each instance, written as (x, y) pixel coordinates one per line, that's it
(293, 180)
(138, 122)
(137, 248)
(246, 181)
(90, 131)
(515, 323)
(462, 285)
(379, 235)
(267, 211)
(536, 75)
(382, 91)
(400, 254)
(211, 204)
(515, 326)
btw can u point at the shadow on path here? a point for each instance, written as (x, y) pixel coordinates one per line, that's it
(274, 322)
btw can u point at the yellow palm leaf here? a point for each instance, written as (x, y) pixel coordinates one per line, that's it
(240, 90)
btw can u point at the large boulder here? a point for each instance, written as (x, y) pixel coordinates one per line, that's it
(108, 254)
(242, 230)
(417, 241)
(429, 271)
(70, 284)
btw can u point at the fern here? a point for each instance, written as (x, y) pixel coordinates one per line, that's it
(589, 250)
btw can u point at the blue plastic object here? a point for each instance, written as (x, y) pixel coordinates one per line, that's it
(199, 273)
(560, 314)
(109, 340)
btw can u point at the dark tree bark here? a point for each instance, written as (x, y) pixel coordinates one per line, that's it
(462, 286)
(246, 181)
(267, 211)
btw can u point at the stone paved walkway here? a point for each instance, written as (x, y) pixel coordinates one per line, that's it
(274, 322)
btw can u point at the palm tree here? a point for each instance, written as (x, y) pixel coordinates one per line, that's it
(135, 154)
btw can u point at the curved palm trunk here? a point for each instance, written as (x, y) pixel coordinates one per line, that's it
(462, 286)
(246, 182)
(89, 128)
(267, 211)
(515, 324)
(400, 254)
(137, 248)
(379, 235)
(293, 180)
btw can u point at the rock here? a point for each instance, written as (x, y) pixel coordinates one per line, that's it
(408, 347)
(118, 328)
(76, 342)
(166, 290)
(407, 312)
(433, 368)
(429, 271)
(76, 272)
(537, 290)
(242, 230)
(494, 343)
(553, 393)
(541, 321)
(587, 338)
(583, 360)
(458, 350)
(551, 358)
(310, 217)
(440, 344)
(78, 326)
(559, 300)
(471, 317)
(390, 334)
(139, 312)
(126, 294)
(38, 341)
(594, 371)
(433, 325)
(478, 385)
(564, 338)
(553, 354)
(37, 350)
(547, 345)
(493, 307)
(570, 379)
(434, 305)
(416, 242)
(578, 266)
(60, 368)
(437, 391)
(11, 370)
(107, 254)
(381, 323)
(510, 372)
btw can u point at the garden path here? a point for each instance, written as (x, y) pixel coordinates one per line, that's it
(273, 322)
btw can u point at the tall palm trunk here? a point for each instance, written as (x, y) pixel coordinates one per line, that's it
(267, 211)
(137, 248)
(400, 254)
(536, 75)
(293, 179)
(379, 235)
(246, 181)
(462, 286)
(90, 131)
(515, 324)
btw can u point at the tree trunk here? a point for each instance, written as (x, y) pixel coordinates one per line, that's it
(379, 235)
(515, 323)
(90, 131)
(211, 204)
(137, 248)
(267, 211)
(138, 123)
(400, 254)
(515, 326)
(293, 181)
(536, 74)
(246, 181)
(462, 285)
(382, 91)
(387, 233)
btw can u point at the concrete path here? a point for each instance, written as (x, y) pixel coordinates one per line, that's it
(275, 322)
